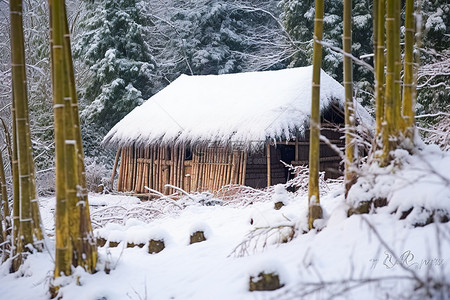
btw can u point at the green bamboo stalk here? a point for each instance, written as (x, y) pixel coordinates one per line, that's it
(63, 257)
(315, 211)
(375, 30)
(350, 168)
(390, 120)
(379, 67)
(409, 90)
(398, 120)
(16, 245)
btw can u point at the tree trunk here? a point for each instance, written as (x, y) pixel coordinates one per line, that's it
(315, 211)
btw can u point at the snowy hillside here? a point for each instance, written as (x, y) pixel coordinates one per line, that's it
(371, 256)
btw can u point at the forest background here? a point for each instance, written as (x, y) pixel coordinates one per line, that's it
(126, 51)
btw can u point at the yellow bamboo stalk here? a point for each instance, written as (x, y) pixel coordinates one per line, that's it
(315, 211)
(350, 174)
(379, 68)
(390, 93)
(19, 89)
(63, 257)
(398, 121)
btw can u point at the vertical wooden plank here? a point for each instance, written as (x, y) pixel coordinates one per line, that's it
(268, 165)
(116, 161)
(121, 169)
(244, 167)
(172, 167)
(233, 167)
(181, 172)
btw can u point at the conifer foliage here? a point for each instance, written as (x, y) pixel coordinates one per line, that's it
(112, 45)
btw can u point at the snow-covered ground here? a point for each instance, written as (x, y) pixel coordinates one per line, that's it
(371, 256)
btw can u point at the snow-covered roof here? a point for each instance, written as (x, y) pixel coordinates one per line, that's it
(242, 108)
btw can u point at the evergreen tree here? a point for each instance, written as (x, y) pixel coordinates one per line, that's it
(217, 37)
(112, 45)
(433, 75)
(298, 17)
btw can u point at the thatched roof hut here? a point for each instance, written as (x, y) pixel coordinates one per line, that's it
(203, 132)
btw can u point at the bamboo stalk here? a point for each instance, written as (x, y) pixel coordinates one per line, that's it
(390, 91)
(350, 172)
(409, 88)
(314, 209)
(63, 255)
(19, 89)
(379, 68)
(398, 121)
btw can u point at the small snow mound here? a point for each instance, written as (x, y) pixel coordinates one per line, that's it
(269, 266)
(201, 226)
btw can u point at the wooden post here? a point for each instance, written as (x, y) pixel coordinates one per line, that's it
(116, 161)
(268, 165)
(244, 168)
(297, 154)
(121, 172)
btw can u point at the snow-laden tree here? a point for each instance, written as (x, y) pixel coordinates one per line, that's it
(433, 75)
(112, 45)
(298, 17)
(216, 37)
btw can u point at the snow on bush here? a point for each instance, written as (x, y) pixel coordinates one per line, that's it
(96, 174)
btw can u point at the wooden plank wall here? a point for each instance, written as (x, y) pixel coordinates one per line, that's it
(154, 167)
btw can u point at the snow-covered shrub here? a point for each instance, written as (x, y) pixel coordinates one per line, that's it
(96, 174)
(439, 134)
(45, 182)
(301, 178)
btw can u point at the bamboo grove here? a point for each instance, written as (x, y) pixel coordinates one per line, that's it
(395, 124)
(75, 243)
